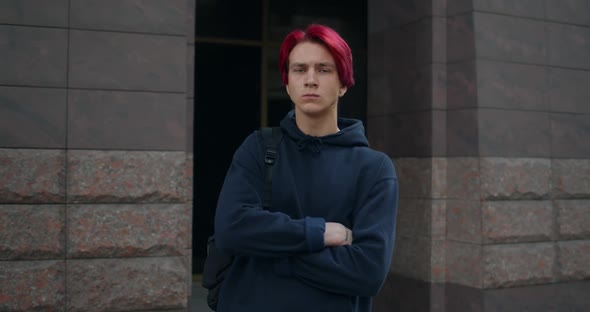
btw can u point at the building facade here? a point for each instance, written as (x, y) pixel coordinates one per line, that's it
(105, 124)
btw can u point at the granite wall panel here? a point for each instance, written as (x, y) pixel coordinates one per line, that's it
(108, 231)
(126, 177)
(32, 232)
(574, 260)
(573, 219)
(515, 178)
(517, 221)
(33, 286)
(126, 284)
(32, 176)
(509, 265)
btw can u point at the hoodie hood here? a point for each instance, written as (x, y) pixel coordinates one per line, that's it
(352, 133)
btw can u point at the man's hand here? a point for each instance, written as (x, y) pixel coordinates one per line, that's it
(337, 234)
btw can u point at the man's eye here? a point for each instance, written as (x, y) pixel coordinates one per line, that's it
(298, 70)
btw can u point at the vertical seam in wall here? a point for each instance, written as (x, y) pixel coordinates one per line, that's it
(480, 203)
(556, 227)
(66, 297)
(556, 267)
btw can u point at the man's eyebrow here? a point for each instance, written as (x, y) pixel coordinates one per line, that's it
(321, 64)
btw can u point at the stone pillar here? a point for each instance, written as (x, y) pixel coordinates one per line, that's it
(407, 120)
(523, 83)
(94, 171)
(483, 107)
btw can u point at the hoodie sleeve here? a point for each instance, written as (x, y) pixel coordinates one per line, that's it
(361, 268)
(244, 227)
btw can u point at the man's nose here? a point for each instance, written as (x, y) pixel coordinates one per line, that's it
(311, 79)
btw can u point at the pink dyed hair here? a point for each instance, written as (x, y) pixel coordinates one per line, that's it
(327, 37)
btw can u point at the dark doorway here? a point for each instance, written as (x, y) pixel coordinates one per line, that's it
(238, 86)
(227, 98)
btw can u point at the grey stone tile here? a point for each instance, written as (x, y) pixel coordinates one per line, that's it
(148, 16)
(32, 117)
(126, 120)
(568, 90)
(190, 71)
(406, 11)
(506, 133)
(568, 11)
(34, 12)
(190, 125)
(190, 21)
(104, 60)
(33, 56)
(569, 46)
(439, 133)
(462, 133)
(455, 7)
(524, 8)
(461, 37)
(509, 38)
(570, 135)
(512, 86)
(461, 85)
(411, 134)
(411, 89)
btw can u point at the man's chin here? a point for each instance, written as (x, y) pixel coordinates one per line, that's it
(314, 110)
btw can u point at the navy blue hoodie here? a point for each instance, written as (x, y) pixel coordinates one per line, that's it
(281, 263)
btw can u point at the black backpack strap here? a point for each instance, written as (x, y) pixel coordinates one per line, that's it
(272, 137)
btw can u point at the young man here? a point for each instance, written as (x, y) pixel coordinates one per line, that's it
(326, 242)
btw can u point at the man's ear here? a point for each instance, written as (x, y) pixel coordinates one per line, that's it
(343, 90)
(287, 88)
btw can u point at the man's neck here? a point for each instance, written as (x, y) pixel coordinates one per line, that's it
(318, 126)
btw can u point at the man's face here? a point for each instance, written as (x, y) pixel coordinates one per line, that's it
(314, 85)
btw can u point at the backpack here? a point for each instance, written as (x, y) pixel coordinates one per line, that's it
(217, 264)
